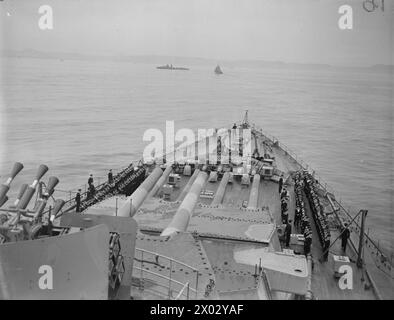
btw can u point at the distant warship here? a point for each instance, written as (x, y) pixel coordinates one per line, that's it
(171, 67)
(218, 70)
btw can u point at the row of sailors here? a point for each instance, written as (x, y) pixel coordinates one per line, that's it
(305, 182)
(284, 200)
(318, 213)
(301, 220)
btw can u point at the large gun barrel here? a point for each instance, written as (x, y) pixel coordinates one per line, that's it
(220, 192)
(28, 194)
(181, 219)
(6, 186)
(161, 181)
(135, 200)
(188, 185)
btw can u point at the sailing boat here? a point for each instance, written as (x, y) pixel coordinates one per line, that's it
(218, 70)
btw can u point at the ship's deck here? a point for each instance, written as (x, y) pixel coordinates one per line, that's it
(215, 233)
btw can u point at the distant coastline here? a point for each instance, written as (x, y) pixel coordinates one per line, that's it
(158, 59)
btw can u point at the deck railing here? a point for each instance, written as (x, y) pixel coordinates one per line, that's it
(385, 264)
(69, 196)
(145, 258)
(264, 280)
(185, 287)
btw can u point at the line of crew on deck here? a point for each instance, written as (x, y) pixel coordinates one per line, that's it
(301, 220)
(323, 229)
(284, 201)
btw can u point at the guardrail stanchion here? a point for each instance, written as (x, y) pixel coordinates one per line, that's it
(169, 287)
(142, 268)
(196, 284)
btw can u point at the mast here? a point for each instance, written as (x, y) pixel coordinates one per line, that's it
(245, 122)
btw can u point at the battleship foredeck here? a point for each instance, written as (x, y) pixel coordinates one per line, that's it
(190, 230)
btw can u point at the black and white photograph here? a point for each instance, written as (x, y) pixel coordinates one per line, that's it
(219, 151)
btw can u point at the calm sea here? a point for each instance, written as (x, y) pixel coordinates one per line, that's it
(82, 117)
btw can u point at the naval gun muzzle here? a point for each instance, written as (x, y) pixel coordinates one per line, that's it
(6, 185)
(50, 188)
(28, 194)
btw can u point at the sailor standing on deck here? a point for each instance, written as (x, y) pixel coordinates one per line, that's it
(110, 177)
(285, 213)
(288, 233)
(307, 242)
(284, 194)
(283, 205)
(304, 221)
(90, 180)
(344, 237)
(280, 183)
(297, 217)
(326, 248)
(92, 190)
(78, 201)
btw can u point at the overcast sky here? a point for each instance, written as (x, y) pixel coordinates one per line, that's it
(303, 31)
